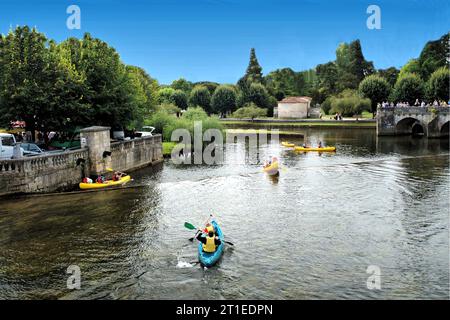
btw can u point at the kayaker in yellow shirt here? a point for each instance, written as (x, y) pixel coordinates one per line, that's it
(210, 242)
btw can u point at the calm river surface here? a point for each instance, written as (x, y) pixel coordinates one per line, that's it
(310, 234)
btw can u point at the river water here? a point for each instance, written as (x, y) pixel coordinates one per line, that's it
(311, 233)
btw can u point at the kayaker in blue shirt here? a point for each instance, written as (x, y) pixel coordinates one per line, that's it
(210, 242)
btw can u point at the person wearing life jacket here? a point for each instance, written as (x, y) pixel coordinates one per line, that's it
(210, 242)
(118, 175)
(100, 179)
(208, 229)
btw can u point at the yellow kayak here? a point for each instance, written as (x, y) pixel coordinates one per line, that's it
(108, 183)
(272, 169)
(287, 144)
(323, 149)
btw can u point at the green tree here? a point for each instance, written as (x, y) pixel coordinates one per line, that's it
(258, 95)
(285, 82)
(165, 95)
(434, 56)
(254, 70)
(37, 84)
(351, 65)
(180, 99)
(390, 75)
(224, 99)
(211, 86)
(110, 91)
(408, 88)
(412, 66)
(145, 94)
(438, 85)
(201, 97)
(376, 89)
(183, 85)
(327, 75)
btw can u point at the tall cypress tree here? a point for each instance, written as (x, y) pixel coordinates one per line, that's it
(254, 70)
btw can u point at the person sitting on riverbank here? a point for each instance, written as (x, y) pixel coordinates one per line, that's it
(210, 242)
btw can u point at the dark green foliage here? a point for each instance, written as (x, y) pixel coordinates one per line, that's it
(351, 65)
(348, 103)
(180, 99)
(408, 88)
(389, 74)
(376, 89)
(254, 70)
(285, 82)
(200, 97)
(224, 99)
(183, 85)
(434, 56)
(438, 85)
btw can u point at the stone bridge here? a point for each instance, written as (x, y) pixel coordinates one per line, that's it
(432, 122)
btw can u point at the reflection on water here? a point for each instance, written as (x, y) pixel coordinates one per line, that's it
(310, 232)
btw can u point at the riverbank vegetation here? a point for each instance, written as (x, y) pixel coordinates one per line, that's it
(166, 123)
(83, 82)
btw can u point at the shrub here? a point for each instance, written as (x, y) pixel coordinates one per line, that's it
(195, 113)
(326, 105)
(349, 103)
(250, 111)
(161, 120)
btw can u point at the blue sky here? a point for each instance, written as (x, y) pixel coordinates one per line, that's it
(211, 39)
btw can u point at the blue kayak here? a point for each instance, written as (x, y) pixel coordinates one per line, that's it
(210, 259)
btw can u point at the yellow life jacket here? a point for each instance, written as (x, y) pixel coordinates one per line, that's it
(210, 245)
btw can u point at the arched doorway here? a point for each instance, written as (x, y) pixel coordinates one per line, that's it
(445, 130)
(410, 126)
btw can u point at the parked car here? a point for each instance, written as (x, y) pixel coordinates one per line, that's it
(7, 143)
(148, 131)
(31, 149)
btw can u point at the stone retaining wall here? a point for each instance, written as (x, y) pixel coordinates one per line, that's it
(47, 173)
(63, 171)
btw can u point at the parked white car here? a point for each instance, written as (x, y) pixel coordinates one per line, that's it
(7, 143)
(148, 131)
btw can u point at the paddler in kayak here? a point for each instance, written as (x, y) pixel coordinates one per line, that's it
(117, 175)
(210, 241)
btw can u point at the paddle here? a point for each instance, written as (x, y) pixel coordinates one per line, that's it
(190, 226)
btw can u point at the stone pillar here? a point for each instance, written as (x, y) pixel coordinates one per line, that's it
(385, 121)
(17, 151)
(97, 140)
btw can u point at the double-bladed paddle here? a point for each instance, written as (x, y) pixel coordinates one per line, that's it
(190, 226)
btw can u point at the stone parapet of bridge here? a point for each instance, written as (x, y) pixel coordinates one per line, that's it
(431, 121)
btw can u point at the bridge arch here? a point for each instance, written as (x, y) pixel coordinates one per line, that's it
(410, 126)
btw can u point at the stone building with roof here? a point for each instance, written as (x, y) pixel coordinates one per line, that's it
(294, 107)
